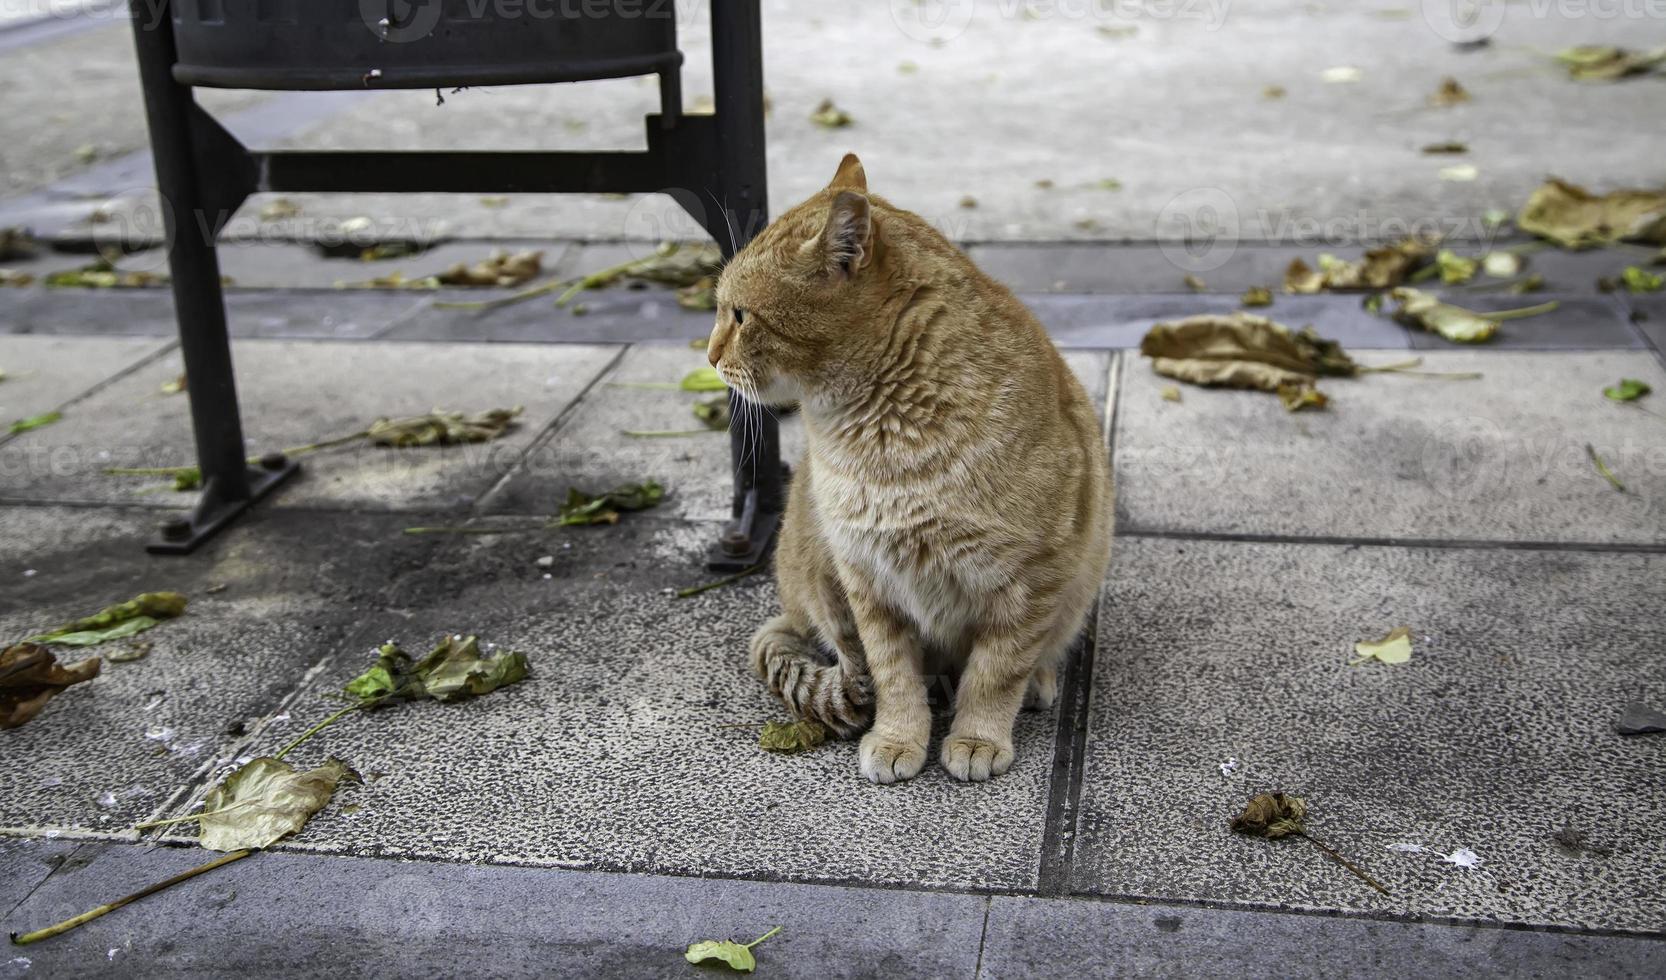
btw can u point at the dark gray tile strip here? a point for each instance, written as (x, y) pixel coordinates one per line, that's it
(308, 916)
(50, 27)
(1035, 938)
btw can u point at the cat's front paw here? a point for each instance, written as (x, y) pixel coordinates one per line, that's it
(889, 758)
(975, 759)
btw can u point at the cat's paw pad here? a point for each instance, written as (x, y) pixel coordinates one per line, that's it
(1042, 691)
(975, 759)
(886, 758)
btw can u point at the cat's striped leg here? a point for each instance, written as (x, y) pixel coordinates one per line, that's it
(895, 749)
(785, 657)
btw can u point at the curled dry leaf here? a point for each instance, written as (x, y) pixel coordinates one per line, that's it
(1573, 217)
(1379, 268)
(498, 269)
(1455, 268)
(440, 428)
(1257, 296)
(1271, 815)
(30, 676)
(792, 736)
(266, 800)
(114, 622)
(1420, 309)
(829, 116)
(1242, 350)
(1598, 63)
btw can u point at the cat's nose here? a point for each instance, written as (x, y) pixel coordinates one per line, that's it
(714, 352)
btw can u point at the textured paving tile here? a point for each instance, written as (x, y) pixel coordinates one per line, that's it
(613, 316)
(301, 264)
(1121, 321)
(24, 864)
(614, 753)
(1579, 322)
(112, 750)
(45, 373)
(1096, 268)
(275, 314)
(591, 452)
(1497, 731)
(296, 392)
(1649, 314)
(1499, 458)
(1084, 938)
(303, 912)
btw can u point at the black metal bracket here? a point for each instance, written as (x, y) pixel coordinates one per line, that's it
(712, 165)
(215, 509)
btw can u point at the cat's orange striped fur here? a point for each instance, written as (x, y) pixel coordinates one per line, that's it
(952, 516)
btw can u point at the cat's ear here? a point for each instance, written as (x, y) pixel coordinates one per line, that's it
(850, 176)
(847, 240)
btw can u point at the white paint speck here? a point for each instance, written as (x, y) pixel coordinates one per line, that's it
(1230, 766)
(51, 781)
(548, 576)
(112, 954)
(548, 561)
(1406, 848)
(1463, 857)
(106, 799)
(22, 962)
(29, 573)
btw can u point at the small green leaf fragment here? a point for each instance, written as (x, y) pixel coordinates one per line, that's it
(789, 737)
(1628, 390)
(35, 422)
(1640, 280)
(703, 379)
(727, 951)
(1395, 648)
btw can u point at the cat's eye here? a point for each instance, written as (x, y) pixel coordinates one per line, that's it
(740, 316)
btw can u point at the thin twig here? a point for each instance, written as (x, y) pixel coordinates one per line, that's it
(85, 917)
(1525, 311)
(314, 730)
(1405, 367)
(694, 590)
(1339, 859)
(1602, 468)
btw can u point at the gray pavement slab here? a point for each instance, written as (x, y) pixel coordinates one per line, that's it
(24, 864)
(300, 916)
(617, 753)
(296, 314)
(1121, 321)
(46, 373)
(614, 316)
(1577, 323)
(1500, 458)
(1648, 314)
(1493, 737)
(1031, 937)
(272, 261)
(297, 392)
(590, 450)
(268, 600)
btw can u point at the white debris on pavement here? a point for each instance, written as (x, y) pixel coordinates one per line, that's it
(547, 561)
(1230, 766)
(1463, 857)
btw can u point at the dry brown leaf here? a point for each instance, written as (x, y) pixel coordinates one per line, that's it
(1380, 268)
(1573, 217)
(30, 676)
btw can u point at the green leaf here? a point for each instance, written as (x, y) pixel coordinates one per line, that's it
(829, 116)
(1628, 390)
(703, 379)
(792, 736)
(738, 956)
(265, 801)
(713, 411)
(35, 422)
(1455, 268)
(1395, 648)
(113, 622)
(1640, 280)
(581, 508)
(728, 951)
(454, 671)
(439, 428)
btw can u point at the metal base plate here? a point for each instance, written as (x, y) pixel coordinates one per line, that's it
(763, 542)
(210, 517)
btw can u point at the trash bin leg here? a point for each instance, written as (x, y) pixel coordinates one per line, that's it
(229, 483)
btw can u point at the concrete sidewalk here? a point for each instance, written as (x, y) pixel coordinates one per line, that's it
(1254, 548)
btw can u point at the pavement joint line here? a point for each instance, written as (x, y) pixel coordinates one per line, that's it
(97, 386)
(56, 867)
(983, 933)
(1058, 835)
(1230, 537)
(551, 430)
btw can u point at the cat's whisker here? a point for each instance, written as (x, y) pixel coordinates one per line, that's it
(734, 246)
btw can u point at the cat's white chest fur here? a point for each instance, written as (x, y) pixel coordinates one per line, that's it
(875, 529)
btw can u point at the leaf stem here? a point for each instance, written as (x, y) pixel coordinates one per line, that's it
(150, 824)
(314, 730)
(604, 276)
(1339, 859)
(1405, 367)
(492, 304)
(694, 590)
(1517, 314)
(763, 937)
(1602, 468)
(85, 917)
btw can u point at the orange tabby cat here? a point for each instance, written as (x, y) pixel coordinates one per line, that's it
(953, 512)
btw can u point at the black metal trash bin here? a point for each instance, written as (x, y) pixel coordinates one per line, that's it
(204, 174)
